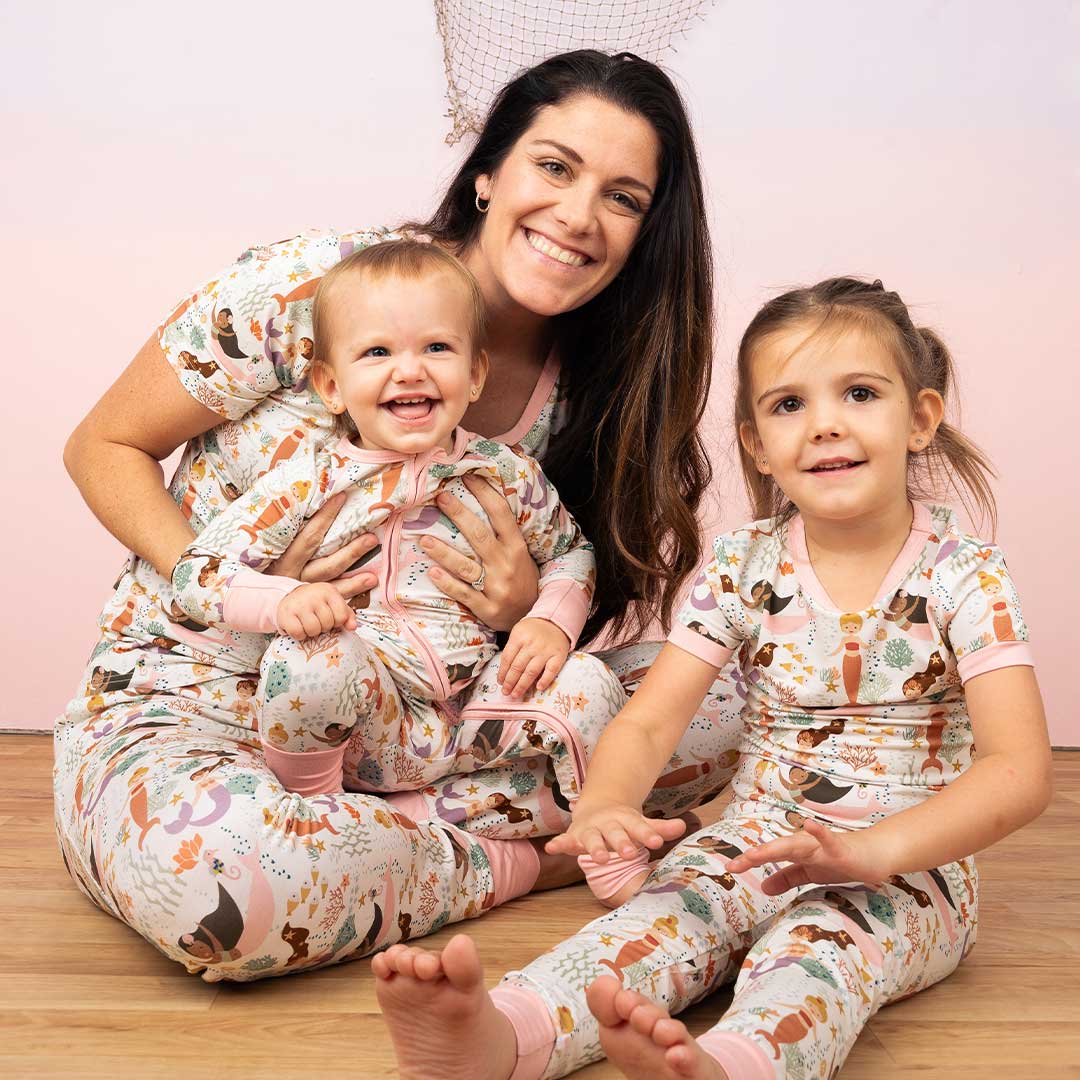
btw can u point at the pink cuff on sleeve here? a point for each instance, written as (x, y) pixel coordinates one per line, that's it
(1002, 654)
(251, 600)
(700, 646)
(563, 603)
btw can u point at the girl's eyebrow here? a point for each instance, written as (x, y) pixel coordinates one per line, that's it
(577, 159)
(846, 377)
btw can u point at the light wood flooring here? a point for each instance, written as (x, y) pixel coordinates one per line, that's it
(81, 995)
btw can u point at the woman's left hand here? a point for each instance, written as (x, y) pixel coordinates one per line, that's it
(510, 576)
(815, 855)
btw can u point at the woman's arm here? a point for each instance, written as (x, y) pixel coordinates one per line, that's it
(113, 456)
(1009, 785)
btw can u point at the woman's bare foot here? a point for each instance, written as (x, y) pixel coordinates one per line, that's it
(643, 1040)
(442, 1021)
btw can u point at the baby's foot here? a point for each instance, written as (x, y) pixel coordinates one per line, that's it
(442, 1021)
(643, 1040)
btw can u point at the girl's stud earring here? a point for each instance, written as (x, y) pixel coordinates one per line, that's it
(487, 202)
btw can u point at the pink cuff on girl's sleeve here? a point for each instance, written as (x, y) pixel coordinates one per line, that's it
(251, 600)
(563, 603)
(700, 646)
(1001, 654)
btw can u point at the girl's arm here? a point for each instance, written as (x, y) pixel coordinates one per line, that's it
(629, 756)
(1009, 785)
(113, 456)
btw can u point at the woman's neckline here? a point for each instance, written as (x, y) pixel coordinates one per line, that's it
(921, 527)
(533, 407)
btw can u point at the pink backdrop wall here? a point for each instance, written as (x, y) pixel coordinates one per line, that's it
(935, 146)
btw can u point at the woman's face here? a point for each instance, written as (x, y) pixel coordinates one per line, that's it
(565, 206)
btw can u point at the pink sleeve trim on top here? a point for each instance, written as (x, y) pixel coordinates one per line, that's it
(1002, 654)
(700, 646)
(251, 601)
(563, 603)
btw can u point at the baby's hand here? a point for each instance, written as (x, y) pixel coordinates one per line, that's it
(535, 653)
(814, 854)
(313, 609)
(612, 827)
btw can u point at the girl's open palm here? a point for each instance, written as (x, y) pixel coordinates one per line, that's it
(814, 855)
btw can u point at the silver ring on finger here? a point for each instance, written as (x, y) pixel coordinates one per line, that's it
(478, 584)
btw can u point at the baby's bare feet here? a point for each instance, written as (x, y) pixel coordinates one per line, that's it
(643, 1040)
(442, 1021)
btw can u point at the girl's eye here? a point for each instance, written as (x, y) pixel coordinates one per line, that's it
(377, 350)
(788, 405)
(861, 394)
(438, 347)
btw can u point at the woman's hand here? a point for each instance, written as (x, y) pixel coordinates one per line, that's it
(613, 827)
(297, 561)
(510, 576)
(816, 855)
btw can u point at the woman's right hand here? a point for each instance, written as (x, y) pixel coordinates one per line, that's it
(605, 828)
(297, 560)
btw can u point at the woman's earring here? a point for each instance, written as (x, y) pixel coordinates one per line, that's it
(487, 202)
(473, 392)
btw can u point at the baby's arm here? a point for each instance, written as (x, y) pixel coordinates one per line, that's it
(629, 756)
(218, 580)
(540, 642)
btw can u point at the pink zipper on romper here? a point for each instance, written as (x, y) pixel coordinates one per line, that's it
(570, 735)
(435, 667)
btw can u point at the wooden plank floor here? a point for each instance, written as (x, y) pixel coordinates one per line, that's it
(81, 995)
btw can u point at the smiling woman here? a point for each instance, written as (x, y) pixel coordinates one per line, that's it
(579, 211)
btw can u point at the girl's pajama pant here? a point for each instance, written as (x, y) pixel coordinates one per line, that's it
(170, 819)
(810, 967)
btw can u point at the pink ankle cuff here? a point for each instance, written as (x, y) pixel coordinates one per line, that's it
(515, 866)
(410, 803)
(606, 879)
(738, 1055)
(317, 773)
(532, 1026)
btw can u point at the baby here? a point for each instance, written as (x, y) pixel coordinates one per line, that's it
(398, 330)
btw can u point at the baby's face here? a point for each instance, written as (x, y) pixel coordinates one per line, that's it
(403, 359)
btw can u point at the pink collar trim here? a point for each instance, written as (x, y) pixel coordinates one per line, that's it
(921, 527)
(381, 457)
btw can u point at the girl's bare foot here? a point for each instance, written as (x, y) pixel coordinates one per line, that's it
(643, 1040)
(442, 1021)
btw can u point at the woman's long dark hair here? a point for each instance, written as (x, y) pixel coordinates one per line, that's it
(636, 359)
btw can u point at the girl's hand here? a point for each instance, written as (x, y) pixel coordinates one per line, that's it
(314, 609)
(816, 855)
(535, 653)
(296, 560)
(510, 575)
(612, 828)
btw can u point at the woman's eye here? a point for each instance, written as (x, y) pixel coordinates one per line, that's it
(861, 394)
(377, 350)
(788, 405)
(555, 168)
(627, 201)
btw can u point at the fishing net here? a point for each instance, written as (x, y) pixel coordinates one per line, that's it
(487, 42)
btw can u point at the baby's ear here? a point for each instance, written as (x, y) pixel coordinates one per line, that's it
(322, 379)
(478, 373)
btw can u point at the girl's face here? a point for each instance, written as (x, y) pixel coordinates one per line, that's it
(402, 360)
(566, 206)
(833, 423)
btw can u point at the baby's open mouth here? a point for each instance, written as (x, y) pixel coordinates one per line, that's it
(410, 408)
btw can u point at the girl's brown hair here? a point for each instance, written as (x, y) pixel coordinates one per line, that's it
(951, 460)
(636, 359)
